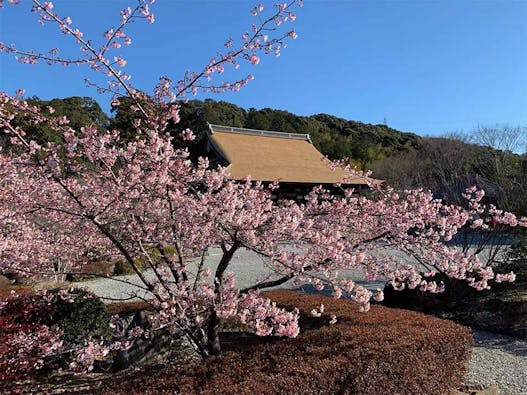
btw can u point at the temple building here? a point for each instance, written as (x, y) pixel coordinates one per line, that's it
(268, 156)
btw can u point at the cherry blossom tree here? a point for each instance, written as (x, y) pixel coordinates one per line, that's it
(97, 195)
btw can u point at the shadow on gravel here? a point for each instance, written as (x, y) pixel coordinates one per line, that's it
(328, 291)
(507, 344)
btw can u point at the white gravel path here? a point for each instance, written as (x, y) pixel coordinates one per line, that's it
(500, 360)
(249, 269)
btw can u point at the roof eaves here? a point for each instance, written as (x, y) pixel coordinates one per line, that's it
(254, 132)
(216, 147)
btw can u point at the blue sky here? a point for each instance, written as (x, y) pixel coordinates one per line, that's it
(427, 67)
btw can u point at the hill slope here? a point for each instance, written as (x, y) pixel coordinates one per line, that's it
(334, 137)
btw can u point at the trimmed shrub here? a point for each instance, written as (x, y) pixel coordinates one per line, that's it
(6, 291)
(85, 316)
(61, 318)
(127, 307)
(516, 261)
(457, 295)
(382, 351)
(502, 309)
(21, 316)
(122, 267)
(5, 282)
(95, 269)
(76, 312)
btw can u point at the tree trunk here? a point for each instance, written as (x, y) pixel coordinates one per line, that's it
(213, 335)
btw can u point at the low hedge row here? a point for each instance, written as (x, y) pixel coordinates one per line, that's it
(380, 352)
(77, 313)
(6, 292)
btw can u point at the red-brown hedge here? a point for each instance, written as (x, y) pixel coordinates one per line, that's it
(127, 307)
(384, 351)
(5, 292)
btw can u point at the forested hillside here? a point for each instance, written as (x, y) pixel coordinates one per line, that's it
(445, 165)
(80, 111)
(448, 165)
(364, 144)
(334, 137)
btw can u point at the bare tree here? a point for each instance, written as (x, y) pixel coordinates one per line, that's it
(501, 137)
(450, 164)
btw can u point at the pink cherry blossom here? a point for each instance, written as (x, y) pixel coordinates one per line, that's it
(102, 198)
(120, 61)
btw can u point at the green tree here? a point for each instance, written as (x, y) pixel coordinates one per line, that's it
(80, 111)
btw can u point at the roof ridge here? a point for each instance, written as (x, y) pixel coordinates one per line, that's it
(257, 132)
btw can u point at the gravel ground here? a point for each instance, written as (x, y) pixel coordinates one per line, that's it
(500, 360)
(496, 359)
(248, 267)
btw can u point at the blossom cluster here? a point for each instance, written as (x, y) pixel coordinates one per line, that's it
(97, 196)
(145, 199)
